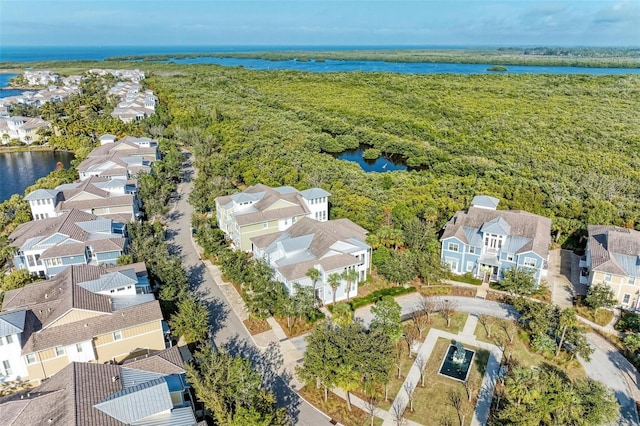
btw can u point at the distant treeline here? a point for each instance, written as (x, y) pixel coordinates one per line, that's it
(537, 56)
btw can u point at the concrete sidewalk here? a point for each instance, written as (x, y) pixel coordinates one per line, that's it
(467, 337)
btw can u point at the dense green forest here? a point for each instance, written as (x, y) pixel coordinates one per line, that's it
(564, 146)
(556, 56)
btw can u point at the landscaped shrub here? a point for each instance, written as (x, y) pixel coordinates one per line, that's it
(466, 278)
(359, 302)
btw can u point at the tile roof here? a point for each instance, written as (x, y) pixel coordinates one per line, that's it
(614, 250)
(65, 224)
(88, 394)
(47, 301)
(309, 242)
(520, 224)
(264, 198)
(168, 361)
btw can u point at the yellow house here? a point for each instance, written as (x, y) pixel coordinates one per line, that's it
(613, 258)
(84, 314)
(262, 210)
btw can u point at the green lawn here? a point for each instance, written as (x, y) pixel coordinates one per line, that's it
(520, 351)
(431, 404)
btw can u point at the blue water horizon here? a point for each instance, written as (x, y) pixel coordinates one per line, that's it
(99, 53)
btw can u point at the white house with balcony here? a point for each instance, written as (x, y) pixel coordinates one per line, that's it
(48, 246)
(484, 241)
(261, 210)
(331, 247)
(23, 128)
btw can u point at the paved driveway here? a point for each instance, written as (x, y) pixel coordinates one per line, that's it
(226, 325)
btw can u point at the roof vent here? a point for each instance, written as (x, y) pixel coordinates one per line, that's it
(46, 295)
(50, 421)
(115, 379)
(86, 325)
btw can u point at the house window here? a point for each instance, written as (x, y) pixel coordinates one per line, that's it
(9, 340)
(530, 262)
(632, 280)
(453, 247)
(626, 298)
(6, 366)
(509, 257)
(30, 358)
(59, 350)
(607, 278)
(265, 225)
(1, 341)
(472, 250)
(469, 266)
(79, 348)
(117, 335)
(453, 264)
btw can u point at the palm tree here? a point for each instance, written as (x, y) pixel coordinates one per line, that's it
(314, 274)
(350, 276)
(334, 281)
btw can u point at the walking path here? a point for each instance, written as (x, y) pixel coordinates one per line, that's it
(467, 337)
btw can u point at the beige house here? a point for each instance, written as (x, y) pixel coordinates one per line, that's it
(84, 314)
(261, 210)
(153, 392)
(613, 258)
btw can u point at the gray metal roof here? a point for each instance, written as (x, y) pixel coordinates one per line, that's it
(496, 226)
(98, 225)
(133, 377)
(41, 194)
(137, 402)
(177, 417)
(485, 201)
(111, 281)
(310, 194)
(12, 323)
(286, 190)
(514, 244)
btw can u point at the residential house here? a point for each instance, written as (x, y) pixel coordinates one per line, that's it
(260, 210)
(98, 196)
(84, 394)
(123, 159)
(40, 78)
(12, 366)
(484, 241)
(46, 247)
(84, 314)
(23, 128)
(134, 103)
(331, 247)
(613, 258)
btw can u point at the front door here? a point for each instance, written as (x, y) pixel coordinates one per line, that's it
(320, 296)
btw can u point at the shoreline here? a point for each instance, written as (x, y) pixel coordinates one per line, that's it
(37, 148)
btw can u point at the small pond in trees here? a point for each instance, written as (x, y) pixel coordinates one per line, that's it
(457, 362)
(384, 163)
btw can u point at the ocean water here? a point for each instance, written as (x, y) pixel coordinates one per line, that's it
(27, 54)
(4, 81)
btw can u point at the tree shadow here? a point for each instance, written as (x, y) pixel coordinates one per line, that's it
(269, 364)
(196, 278)
(218, 314)
(628, 410)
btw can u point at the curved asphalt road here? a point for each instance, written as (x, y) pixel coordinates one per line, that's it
(226, 325)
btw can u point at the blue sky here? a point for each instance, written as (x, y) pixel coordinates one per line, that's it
(302, 22)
